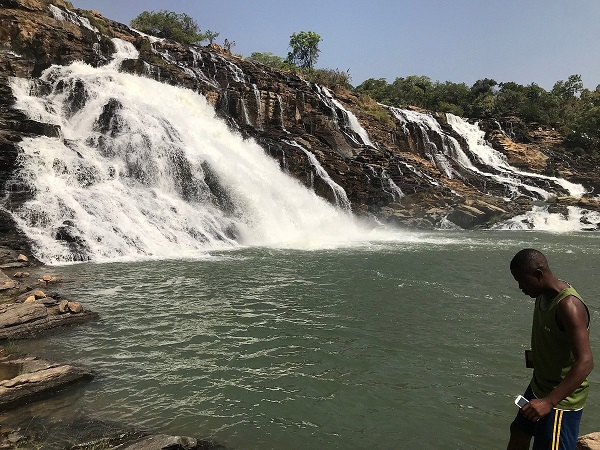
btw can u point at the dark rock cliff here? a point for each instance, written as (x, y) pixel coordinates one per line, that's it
(399, 173)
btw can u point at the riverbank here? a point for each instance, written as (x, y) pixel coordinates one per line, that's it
(31, 305)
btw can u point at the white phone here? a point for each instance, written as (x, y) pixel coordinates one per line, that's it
(521, 401)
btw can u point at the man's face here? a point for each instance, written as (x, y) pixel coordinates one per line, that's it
(529, 281)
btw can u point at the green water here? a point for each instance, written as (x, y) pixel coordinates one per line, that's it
(395, 346)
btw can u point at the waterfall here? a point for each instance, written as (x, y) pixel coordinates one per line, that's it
(259, 108)
(539, 218)
(339, 193)
(280, 105)
(123, 50)
(427, 126)
(491, 158)
(350, 120)
(478, 157)
(70, 16)
(245, 112)
(350, 125)
(137, 176)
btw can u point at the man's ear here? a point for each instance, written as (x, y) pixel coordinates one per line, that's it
(538, 274)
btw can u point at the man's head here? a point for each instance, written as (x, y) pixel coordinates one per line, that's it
(530, 269)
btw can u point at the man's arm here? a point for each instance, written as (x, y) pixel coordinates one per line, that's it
(573, 315)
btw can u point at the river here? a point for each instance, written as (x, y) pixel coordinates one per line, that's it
(412, 344)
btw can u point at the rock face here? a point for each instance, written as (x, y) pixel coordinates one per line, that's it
(403, 171)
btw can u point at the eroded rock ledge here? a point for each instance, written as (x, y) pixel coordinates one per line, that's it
(34, 378)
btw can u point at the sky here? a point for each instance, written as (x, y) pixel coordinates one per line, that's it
(525, 41)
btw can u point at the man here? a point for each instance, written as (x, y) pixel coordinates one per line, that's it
(562, 358)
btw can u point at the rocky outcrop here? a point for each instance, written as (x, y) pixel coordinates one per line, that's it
(27, 378)
(22, 320)
(27, 311)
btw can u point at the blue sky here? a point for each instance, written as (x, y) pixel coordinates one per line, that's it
(524, 41)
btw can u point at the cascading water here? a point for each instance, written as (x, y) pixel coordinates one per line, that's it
(341, 198)
(350, 125)
(137, 175)
(539, 218)
(487, 155)
(426, 124)
(479, 158)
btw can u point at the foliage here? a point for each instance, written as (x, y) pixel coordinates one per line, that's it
(583, 124)
(170, 25)
(271, 60)
(329, 77)
(372, 108)
(305, 49)
(10, 348)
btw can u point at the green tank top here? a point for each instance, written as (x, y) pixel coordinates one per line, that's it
(552, 356)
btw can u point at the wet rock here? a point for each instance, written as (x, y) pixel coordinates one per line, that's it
(22, 258)
(476, 214)
(37, 377)
(21, 274)
(22, 320)
(162, 441)
(13, 265)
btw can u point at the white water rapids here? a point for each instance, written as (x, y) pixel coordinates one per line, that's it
(138, 186)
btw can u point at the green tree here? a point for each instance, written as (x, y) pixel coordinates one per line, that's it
(483, 99)
(583, 126)
(305, 49)
(449, 97)
(567, 94)
(269, 59)
(377, 89)
(170, 25)
(413, 90)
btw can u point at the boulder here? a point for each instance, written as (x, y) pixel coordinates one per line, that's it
(63, 306)
(47, 279)
(589, 442)
(39, 294)
(30, 299)
(22, 258)
(21, 274)
(74, 307)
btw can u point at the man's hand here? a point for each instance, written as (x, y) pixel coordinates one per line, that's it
(536, 409)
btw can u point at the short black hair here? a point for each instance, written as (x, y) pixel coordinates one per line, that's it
(529, 258)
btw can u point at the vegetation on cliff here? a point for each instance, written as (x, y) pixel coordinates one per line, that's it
(568, 106)
(168, 24)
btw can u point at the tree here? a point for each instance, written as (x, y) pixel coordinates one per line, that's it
(377, 89)
(269, 59)
(583, 126)
(305, 49)
(170, 25)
